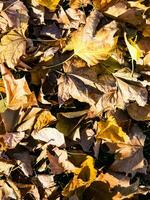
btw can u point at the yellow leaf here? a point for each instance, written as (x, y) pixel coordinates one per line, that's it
(103, 4)
(93, 48)
(2, 88)
(44, 119)
(12, 47)
(133, 48)
(18, 94)
(78, 3)
(110, 131)
(83, 177)
(50, 4)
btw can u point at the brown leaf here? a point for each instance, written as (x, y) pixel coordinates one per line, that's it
(129, 156)
(16, 15)
(139, 113)
(59, 161)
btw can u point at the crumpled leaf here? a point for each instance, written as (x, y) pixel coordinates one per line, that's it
(18, 93)
(109, 130)
(83, 177)
(12, 47)
(16, 15)
(45, 118)
(36, 118)
(129, 155)
(12, 139)
(50, 4)
(93, 47)
(6, 166)
(50, 135)
(9, 190)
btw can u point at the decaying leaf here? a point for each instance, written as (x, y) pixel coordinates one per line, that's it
(12, 47)
(110, 131)
(93, 47)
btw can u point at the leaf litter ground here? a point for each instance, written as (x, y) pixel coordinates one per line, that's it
(74, 99)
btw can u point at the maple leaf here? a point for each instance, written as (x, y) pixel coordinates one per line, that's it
(110, 131)
(50, 4)
(12, 47)
(93, 48)
(83, 177)
(129, 155)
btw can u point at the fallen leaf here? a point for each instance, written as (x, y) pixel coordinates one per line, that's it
(6, 166)
(50, 4)
(45, 118)
(9, 190)
(59, 162)
(83, 177)
(129, 156)
(103, 4)
(139, 113)
(133, 48)
(18, 93)
(109, 130)
(50, 135)
(93, 48)
(78, 3)
(12, 47)
(12, 139)
(24, 161)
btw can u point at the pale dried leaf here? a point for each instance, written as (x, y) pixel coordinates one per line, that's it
(12, 47)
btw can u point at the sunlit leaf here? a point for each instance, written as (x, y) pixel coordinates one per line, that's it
(109, 130)
(50, 4)
(83, 177)
(12, 47)
(93, 47)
